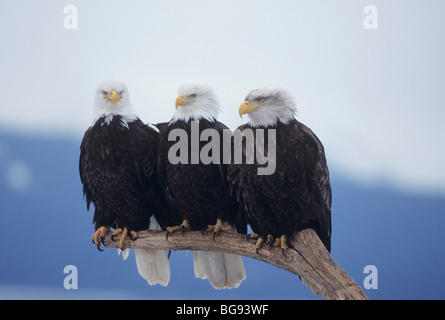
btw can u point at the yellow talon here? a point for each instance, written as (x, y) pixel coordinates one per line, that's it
(283, 243)
(123, 236)
(277, 242)
(133, 235)
(99, 236)
(253, 235)
(258, 244)
(217, 228)
(116, 233)
(185, 226)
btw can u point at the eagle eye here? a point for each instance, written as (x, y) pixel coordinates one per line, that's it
(260, 99)
(104, 93)
(194, 95)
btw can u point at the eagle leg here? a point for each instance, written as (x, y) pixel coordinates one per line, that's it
(185, 226)
(123, 236)
(99, 236)
(277, 242)
(217, 228)
(252, 236)
(116, 233)
(258, 244)
(270, 241)
(124, 233)
(282, 243)
(133, 235)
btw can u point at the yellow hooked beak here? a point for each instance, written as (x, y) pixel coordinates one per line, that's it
(247, 107)
(181, 100)
(113, 97)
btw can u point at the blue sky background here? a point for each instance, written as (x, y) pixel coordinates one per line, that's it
(374, 97)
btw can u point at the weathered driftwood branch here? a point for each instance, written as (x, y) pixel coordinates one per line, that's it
(306, 257)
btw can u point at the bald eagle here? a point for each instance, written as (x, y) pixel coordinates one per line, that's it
(199, 192)
(298, 194)
(117, 169)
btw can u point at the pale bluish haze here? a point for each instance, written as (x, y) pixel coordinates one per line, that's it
(376, 98)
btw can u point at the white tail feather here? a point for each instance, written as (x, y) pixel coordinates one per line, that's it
(223, 270)
(153, 265)
(125, 253)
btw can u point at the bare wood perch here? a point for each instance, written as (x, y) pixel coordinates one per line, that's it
(306, 257)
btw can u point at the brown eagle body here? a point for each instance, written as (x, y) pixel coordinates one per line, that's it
(198, 189)
(198, 192)
(117, 169)
(297, 195)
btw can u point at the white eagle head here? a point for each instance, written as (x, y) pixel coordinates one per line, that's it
(195, 102)
(265, 106)
(112, 98)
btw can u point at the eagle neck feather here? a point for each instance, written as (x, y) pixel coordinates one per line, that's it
(124, 119)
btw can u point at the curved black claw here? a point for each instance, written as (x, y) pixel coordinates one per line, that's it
(113, 238)
(169, 253)
(258, 244)
(98, 247)
(283, 250)
(99, 235)
(182, 230)
(270, 240)
(208, 228)
(182, 227)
